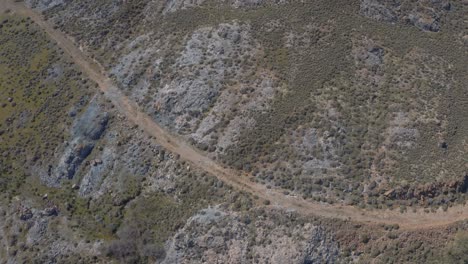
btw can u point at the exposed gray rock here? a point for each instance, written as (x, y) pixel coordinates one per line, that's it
(37, 231)
(43, 5)
(215, 235)
(203, 67)
(71, 159)
(375, 56)
(321, 248)
(175, 5)
(86, 129)
(425, 15)
(50, 211)
(26, 214)
(91, 181)
(426, 22)
(370, 54)
(217, 129)
(216, 90)
(380, 10)
(92, 123)
(171, 6)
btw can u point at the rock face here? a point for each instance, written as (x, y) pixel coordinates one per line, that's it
(86, 130)
(92, 123)
(216, 236)
(91, 181)
(72, 159)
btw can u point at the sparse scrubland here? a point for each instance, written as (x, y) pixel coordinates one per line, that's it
(360, 103)
(335, 108)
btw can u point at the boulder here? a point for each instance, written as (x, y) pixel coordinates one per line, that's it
(50, 211)
(25, 213)
(425, 22)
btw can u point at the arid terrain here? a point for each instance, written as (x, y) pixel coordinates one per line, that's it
(233, 131)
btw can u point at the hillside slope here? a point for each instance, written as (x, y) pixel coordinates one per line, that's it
(328, 103)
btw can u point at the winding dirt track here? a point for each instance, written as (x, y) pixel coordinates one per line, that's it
(175, 144)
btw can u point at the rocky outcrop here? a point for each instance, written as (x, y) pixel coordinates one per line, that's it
(98, 168)
(41, 236)
(369, 54)
(321, 248)
(425, 15)
(215, 235)
(216, 89)
(92, 123)
(425, 21)
(208, 55)
(175, 5)
(87, 129)
(171, 6)
(43, 5)
(380, 10)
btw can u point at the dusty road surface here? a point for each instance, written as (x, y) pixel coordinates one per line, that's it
(175, 144)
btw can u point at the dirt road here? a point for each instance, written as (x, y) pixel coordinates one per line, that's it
(175, 144)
